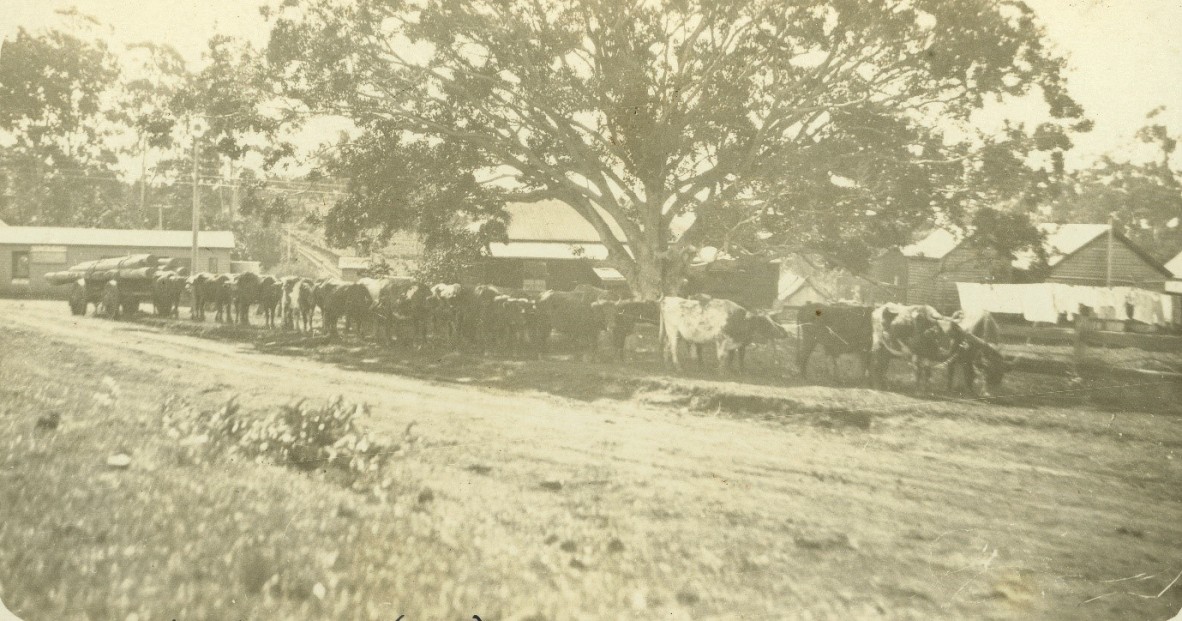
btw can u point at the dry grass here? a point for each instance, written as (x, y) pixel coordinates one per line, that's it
(557, 490)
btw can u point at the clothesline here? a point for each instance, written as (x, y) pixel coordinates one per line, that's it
(1046, 302)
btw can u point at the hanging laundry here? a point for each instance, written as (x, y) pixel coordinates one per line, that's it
(1038, 303)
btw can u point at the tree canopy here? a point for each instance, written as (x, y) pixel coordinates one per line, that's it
(836, 125)
(52, 89)
(1142, 196)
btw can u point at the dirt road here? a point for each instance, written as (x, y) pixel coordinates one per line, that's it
(619, 509)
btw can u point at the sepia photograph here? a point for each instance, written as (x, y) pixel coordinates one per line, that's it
(548, 310)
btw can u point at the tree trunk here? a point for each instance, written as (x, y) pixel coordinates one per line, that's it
(648, 281)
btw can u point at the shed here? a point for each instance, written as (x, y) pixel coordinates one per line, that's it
(1080, 254)
(548, 245)
(27, 253)
(796, 291)
(352, 267)
(1077, 254)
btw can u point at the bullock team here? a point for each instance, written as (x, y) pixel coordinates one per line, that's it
(485, 318)
(962, 344)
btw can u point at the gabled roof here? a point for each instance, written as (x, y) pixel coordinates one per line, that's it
(553, 221)
(1063, 240)
(1175, 266)
(134, 238)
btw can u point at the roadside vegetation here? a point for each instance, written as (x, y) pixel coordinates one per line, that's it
(133, 489)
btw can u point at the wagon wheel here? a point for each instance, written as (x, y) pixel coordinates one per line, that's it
(111, 301)
(78, 299)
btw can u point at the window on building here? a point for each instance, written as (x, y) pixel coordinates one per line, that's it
(20, 265)
(533, 275)
(213, 265)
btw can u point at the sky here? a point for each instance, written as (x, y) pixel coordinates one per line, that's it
(1125, 55)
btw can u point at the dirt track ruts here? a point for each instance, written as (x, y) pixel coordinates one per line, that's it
(919, 516)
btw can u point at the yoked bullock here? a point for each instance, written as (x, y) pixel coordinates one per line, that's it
(703, 320)
(965, 345)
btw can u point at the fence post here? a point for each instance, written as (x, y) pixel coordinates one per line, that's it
(1083, 326)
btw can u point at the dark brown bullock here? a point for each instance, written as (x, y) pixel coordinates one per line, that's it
(209, 289)
(580, 315)
(245, 289)
(337, 298)
(838, 330)
(220, 293)
(270, 294)
(622, 318)
(167, 288)
(513, 323)
(400, 309)
(195, 285)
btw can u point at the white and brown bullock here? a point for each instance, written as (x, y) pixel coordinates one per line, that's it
(703, 320)
(917, 333)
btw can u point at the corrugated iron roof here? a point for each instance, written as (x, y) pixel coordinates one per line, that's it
(1064, 239)
(548, 250)
(135, 238)
(553, 221)
(935, 245)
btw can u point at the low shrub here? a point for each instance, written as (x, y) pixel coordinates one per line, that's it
(302, 435)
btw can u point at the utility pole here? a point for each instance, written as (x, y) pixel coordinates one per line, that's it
(1108, 276)
(194, 268)
(233, 193)
(144, 180)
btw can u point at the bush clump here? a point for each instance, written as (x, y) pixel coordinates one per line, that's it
(302, 435)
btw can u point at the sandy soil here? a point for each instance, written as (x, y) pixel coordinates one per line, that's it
(644, 504)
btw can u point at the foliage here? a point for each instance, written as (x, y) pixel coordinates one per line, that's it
(1142, 197)
(395, 184)
(58, 168)
(257, 242)
(301, 436)
(844, 122)
(378, 268)
(1007, 234)
(448, 254)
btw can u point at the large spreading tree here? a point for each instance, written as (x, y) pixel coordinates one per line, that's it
(832, 126)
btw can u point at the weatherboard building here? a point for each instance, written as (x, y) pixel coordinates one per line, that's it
(27, 253)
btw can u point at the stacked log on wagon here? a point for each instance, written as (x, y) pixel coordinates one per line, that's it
(118, 285)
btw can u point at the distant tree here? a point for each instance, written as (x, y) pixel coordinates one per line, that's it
(836, 124)
(221, 108)
(1144, 198)
(58, 168)
(395, 184)
(154, 75)
(1004, 235)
